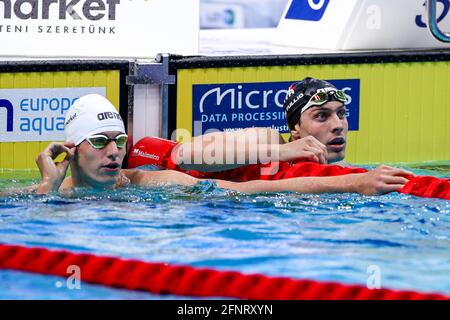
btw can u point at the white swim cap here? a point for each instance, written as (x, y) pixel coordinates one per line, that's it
(91, 114)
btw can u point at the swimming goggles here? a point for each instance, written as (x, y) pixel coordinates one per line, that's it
(99, 141)
(320, 98)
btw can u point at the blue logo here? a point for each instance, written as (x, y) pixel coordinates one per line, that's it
(419, 18)
(229, 107)
(311, 10)
(9, 114)
(229, 17)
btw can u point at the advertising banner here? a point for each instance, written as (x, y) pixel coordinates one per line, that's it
(98, 28)
(228, 107)
(360, 24)
(389, 122)
(37, 114)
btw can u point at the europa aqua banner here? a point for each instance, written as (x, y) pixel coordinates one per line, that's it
(37, 114)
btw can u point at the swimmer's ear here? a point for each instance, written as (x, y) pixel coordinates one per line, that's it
(71, 149)
(295, 134)
(72, 155)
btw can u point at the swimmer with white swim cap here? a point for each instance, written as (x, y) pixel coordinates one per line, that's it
(91, 123)
(96, 146)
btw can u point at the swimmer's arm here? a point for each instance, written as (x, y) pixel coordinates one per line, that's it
(379, 181)
(302, 185)
(311, 185)
(229, 150)
(18, 191)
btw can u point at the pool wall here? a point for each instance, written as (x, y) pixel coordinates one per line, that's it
(397, 112)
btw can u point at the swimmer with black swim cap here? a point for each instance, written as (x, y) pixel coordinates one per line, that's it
(316, 108)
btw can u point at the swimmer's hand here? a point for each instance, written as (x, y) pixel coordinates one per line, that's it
(381, 180)
(304, 149)
(52, 173)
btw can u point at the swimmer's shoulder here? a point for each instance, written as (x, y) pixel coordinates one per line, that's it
(132, 174)
(138, 177)
(13, 191)
(67, 184)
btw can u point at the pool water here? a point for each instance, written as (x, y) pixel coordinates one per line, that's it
(331, 237)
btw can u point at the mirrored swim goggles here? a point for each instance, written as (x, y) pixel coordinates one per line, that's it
(320, 98)
(99, 141)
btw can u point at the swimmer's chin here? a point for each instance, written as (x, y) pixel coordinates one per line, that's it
(110, 171)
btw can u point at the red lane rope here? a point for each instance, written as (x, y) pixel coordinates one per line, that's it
(421, 186)
(161, 278)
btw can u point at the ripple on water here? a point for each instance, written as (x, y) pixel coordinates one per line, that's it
(327, 237)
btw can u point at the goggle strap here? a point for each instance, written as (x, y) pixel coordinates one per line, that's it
(338, 95)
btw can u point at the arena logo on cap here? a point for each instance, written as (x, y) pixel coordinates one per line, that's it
(108, 115)
(38, 114)
(229, 107)
(310, 10)
(325, 90)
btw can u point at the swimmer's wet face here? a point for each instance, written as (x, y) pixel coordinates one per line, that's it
(96, 128)
(328, 124)
(316, 108)
(100, 167)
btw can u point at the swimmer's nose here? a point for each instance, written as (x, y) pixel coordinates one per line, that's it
(337, 124)
(111, 150)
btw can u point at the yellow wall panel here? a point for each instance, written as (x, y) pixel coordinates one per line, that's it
(21, 155)
(404, 114)
(5, 150)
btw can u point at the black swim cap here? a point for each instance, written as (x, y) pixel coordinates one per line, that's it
(298, 96)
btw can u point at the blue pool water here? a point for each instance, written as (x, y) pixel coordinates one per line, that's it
(332, 237)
